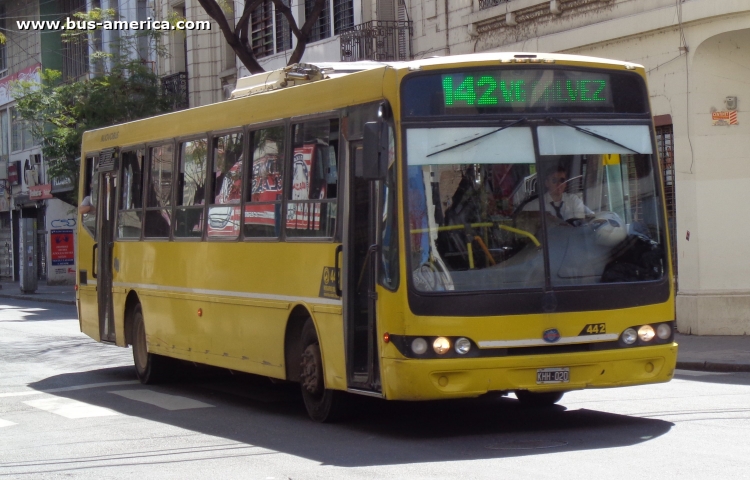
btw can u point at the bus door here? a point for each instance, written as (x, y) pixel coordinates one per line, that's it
(363, 368)
(105, 242)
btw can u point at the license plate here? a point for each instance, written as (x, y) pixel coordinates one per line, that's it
(553, 375)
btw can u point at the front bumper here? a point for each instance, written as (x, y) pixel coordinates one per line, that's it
(432, 379)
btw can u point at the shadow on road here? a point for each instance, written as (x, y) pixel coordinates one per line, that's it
(254, 412)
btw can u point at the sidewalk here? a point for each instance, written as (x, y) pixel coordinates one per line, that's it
(709, 353)
(63, 294)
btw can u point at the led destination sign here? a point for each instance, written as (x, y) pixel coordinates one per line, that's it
(527, 88)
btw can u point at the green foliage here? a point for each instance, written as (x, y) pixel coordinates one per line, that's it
(59, 112)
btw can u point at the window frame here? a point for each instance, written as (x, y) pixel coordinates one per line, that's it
(178, 163)
(327, 115)
(118, 193)
(211, 194)
(94, 155)
(147, 180)
(247, 175)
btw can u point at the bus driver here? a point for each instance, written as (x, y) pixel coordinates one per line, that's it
(557, 202)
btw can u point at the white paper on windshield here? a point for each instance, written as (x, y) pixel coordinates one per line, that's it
(563, 140)
(512, 145)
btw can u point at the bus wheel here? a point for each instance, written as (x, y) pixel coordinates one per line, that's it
(150, 368)
(322, 404)
(537, 399)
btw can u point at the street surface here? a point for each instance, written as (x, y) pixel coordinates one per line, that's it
(70, 407)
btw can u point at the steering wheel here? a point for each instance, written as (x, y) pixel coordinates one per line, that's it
(519, 208)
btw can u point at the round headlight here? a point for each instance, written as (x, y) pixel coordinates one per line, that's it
(663, 331)
(646, 333)
(629, 336)
(441, 345)
(419, 346)
(462, 346)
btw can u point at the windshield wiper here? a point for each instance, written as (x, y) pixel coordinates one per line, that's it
(593, 134)
(477, 138)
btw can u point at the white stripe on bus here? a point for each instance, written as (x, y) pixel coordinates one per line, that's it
(531, 342)
(227, 293)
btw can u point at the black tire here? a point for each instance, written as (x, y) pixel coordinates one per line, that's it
(323, 405)
(149, 367)
(538, 399)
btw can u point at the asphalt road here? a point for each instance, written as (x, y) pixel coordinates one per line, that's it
(70, 407)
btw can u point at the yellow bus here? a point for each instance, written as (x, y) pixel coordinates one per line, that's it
(424, 230)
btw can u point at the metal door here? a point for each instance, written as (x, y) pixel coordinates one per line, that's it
(105, 244)
(360, 252)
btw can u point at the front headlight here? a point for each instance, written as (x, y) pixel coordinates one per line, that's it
(419, 346)
(462, 346)
(646, 333)
(629, 336)
(441, 345)
(663, 331)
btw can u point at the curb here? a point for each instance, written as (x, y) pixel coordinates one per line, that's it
(34, 298)
(708, 366)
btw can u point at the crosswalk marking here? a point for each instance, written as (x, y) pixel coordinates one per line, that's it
(67, 389)
(5, 423)
(69, 408)
(162, 400)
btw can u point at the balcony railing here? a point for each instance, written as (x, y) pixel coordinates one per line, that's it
(377, 40)
(176, 87)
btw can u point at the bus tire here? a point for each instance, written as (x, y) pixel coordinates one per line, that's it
(149, 368)
(323, 405)
(538, 399)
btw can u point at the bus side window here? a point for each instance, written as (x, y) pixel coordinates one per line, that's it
(264, 193)
(159, 201)
(130, 214)
(311, 210)
(224, 209)
(191, 189)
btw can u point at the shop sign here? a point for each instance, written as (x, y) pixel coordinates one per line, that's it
(62, 184)
(13, 169)
(40, 192)
(29, 74)
(61, 247)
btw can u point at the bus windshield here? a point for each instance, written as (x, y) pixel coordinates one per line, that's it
(532, 206)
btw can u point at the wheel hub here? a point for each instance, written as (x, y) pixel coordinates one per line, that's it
(312, 380)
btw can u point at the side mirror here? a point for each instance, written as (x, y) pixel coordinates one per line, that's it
(373, 163)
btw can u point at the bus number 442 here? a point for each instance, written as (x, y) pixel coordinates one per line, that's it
(594, 329)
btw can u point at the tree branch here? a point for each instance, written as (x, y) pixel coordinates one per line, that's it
(245, 55)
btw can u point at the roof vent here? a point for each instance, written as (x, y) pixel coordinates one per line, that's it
(296, 74)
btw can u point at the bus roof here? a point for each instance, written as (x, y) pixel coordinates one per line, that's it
(344, 84)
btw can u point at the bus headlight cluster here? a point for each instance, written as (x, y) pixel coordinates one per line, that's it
(441, 346)
(646, 334)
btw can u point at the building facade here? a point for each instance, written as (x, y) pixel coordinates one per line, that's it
(201, 63)
(25, 189)
(696, 53)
